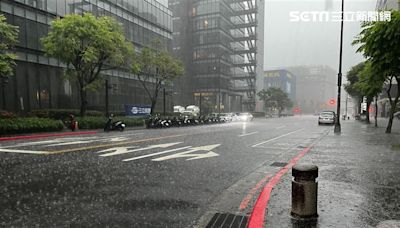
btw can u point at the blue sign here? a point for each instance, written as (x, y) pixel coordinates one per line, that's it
(137, 110)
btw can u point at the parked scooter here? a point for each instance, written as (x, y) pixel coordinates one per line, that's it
(114, 126)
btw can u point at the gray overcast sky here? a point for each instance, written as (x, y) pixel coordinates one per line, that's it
(308, 43)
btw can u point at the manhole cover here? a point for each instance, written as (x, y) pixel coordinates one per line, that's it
(279, 164)
(220, 220)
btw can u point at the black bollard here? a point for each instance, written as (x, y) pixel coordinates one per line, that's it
(304, 192)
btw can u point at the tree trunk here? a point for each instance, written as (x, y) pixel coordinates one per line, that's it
(390, 123)
(376, 111)
(393, 104)
(83, 101)
(153, 105)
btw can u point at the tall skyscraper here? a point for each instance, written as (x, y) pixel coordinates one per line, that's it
(218, 44)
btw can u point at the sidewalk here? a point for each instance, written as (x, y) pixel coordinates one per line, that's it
(358, 183)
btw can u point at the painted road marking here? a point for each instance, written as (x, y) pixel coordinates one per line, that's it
(113, 144)
(247, 199)
(188, 154)
(251, 133)
(257, 215)
(124, 150)
(155, 154)
(22, 151)
(281, 136)
(280, 127)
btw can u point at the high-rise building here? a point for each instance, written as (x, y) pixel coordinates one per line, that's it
(315, 88)
(387, 4)
(282, 79)
(217, 40)
(38, 82)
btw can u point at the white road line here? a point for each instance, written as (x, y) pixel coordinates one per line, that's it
(280, 127)
(155, 154)
(281, 136)
(23, 151)
(124, 150)
(251, 133)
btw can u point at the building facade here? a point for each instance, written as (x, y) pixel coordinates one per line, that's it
(217, 42)
(282, 79)
(38, 81)
(387, 4)
(315, 88)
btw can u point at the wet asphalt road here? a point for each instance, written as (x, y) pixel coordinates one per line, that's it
(175, 177)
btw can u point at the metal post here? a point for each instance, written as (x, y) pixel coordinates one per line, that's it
(347, 98)
(107, 87)
(164, 101)
(337, 122)
(304, 192)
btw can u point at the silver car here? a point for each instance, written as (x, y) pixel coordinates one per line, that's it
(326, 117)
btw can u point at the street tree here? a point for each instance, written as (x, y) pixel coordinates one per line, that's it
(88, 46)
(275, 98)
(370, 85)
(353, 76)
(380, 43)
(8, 38)
(156, 68)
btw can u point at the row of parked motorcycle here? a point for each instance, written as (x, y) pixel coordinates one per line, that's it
(157, 121)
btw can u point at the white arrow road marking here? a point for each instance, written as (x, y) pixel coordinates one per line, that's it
(23, 151)
(188, 154)
(124, 150)
(251, 133)
(155, 154)
(182, 154)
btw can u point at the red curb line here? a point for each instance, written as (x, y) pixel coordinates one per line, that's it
(253, 191)
(47, 135)
(258, 214)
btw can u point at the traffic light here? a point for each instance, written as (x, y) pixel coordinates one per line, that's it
(332, 102)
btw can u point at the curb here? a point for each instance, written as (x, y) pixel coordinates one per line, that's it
(13, 138)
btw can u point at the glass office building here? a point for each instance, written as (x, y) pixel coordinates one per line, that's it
(38, 81)
(217, 42)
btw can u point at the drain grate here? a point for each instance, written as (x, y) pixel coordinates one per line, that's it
(225, 220)
(279, 164)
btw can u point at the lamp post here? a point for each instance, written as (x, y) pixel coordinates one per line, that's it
(337, 122)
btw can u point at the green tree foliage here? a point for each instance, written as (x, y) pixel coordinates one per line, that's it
(380, 43)
(156, 68)
(370, 84)
(353, 77)
(275, 98)
(8, 38)
(88, 46)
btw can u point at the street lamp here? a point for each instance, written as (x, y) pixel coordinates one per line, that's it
(337, 122)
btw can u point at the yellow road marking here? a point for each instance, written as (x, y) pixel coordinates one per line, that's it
(110, 145)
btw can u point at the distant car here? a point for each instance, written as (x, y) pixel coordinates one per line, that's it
(226, 117)
(245, 116)
(326, 117)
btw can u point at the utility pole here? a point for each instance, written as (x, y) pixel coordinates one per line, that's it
(338, 128)
(347, 98)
